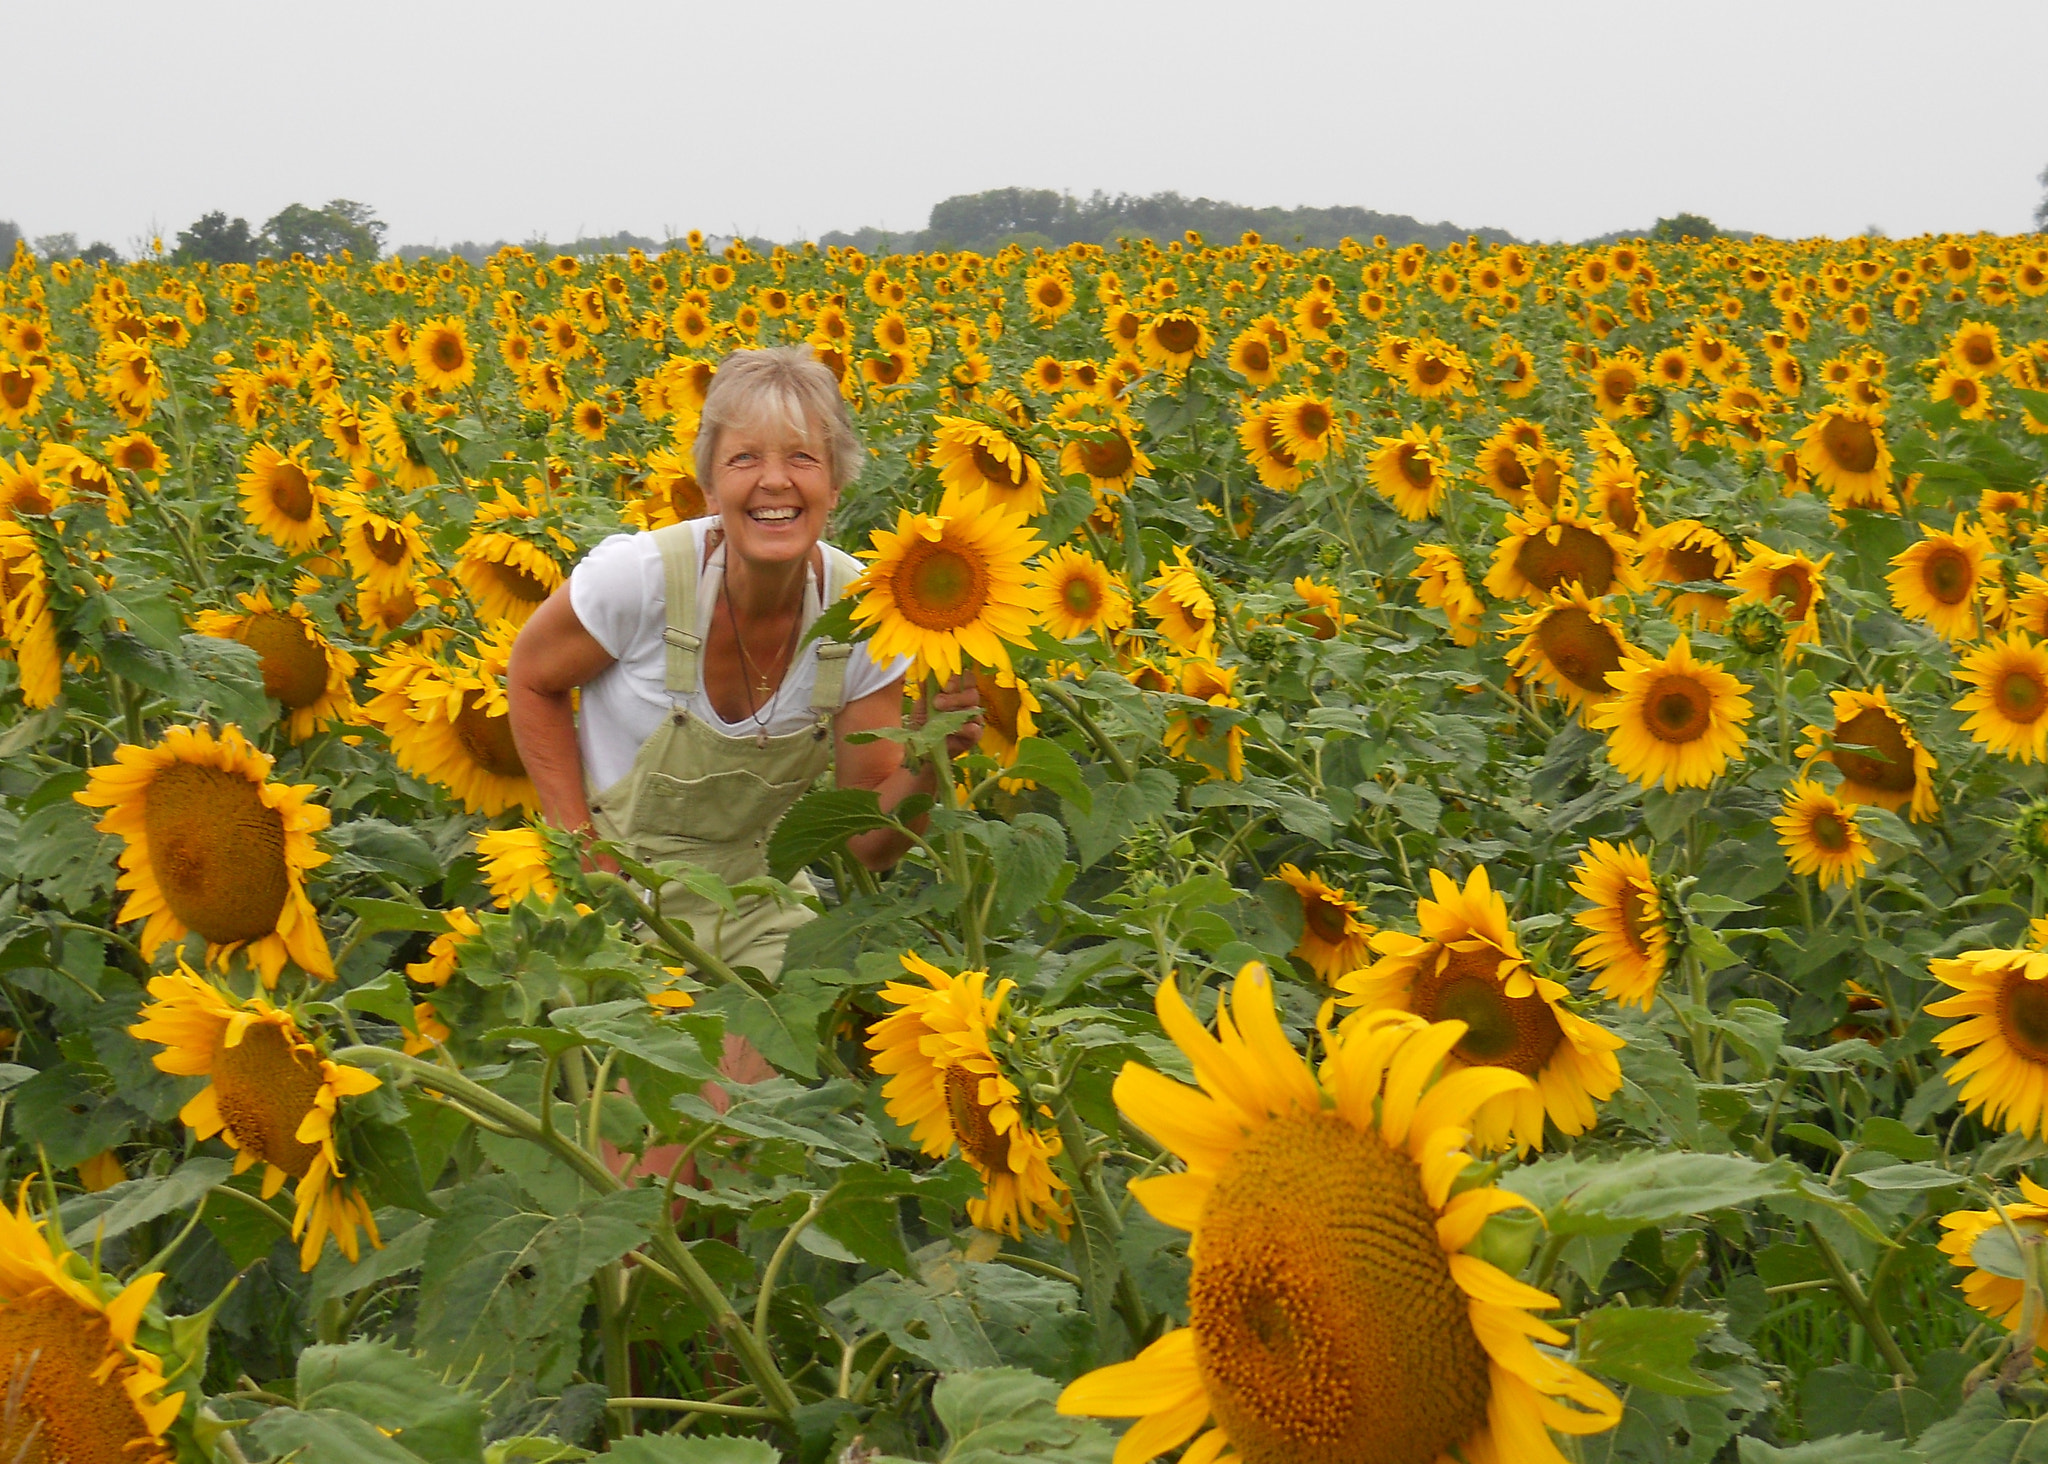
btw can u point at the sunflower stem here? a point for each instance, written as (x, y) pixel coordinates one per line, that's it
(780, 1259)
(675, 940)
(1784, 679)
(1858, 1301)
(1078, 714)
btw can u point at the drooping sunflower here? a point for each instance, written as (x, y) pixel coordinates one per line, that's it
(949, 586)
(26, 623)
(669, 492)
(273, 1099)
(516, 863)
(1940, 579)
(74, 1386)
(1076, 593)
(1820, 835)
(26, 488)
(1333, 937)
(1570, 645)
(1251, 356)
(1881, 761)
(441, 356)
(1843, 450)
(1412, 471)
(308, 676)
(1793, 584)
(1325, 616)
(1990, 1287)
(1629, 945)
(1466, 966)
(1182, 607)
(445, 950)
(2001, 1043)
(449, 723)
(23, 385)
(1686, 551)
(1544, 549)
(2008, 699)
(1674, 720)
(1259, 435)
(387, 554)
(975, 456)
(1444, 586)
(507, 573)
(1194, 735)
(282, 497)
(213, 849)
(947, 1086)
(1335, 1313)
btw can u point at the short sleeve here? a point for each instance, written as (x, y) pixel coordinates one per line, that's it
(864, 677)
(615, 596)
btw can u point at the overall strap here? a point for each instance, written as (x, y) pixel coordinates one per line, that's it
(679, 564)
(828, 694)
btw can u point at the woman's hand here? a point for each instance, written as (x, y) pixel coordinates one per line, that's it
(958, 695)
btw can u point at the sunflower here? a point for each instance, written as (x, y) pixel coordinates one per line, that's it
(1049, 296)
(441, 357)
(1793, 584)
(282, 496)
(1259, 435)
(1997, 1293)
(1412, 471)
(2002, 1072)
(1076, 593)
(1334, 1312)
(1194, 736)
(545, 388)
(306, 674)
(1975, 349)
(26, 623)
(449, 724)
(1251, 356)
(1629, 945)
(213, 849)
(1325, 616)
(2008, 700)
(1892, 769)
(1182, 607)
(273, 1099)
(23, 385)
(506, 574)
(1444, 586)
(1843, 450)
(387, 554)
(1466, 966)
(1616, 380)
(137, 453)
(1333, 938)
(1686, 551)
(517, 863)
(973, 456)
(445, 950)
(1821, 837)
(74, 1386)
(1674, 720)
(1306, 425)
(1103, 448)
(1433, 368)
(1569, 645)
(948, 1088)
(1500, 467)
(1172, 340)
(26, 489)
(1009, 716)
(588, 421)
(1545, 549)
(1940, 579)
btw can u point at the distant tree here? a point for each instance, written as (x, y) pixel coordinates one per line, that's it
(55, 246)
(1684, 226)
(217, 238)
(2041, 208)
(10, 235)
(100, 252)
(314, 232)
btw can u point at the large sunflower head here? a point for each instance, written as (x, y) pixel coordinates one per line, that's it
(451, 724)
(1333, 937)
(1306, 425)
(308, 676)
(273, 1099)
(1975, 349)
(2001, 1042)
(1820, 835)
(1499, 464)
(2008, 696)
(282, 497)
(1881, 761)
(949, 587)
(1172, 340)
(1259, 435)
(1182, 606)
(1466, 966)
(1570, 645)
(1334, 1310)
(1940, 580)
(1844, 452)
(385, 552)
(1101, 445)
(1686, 551)
(441, 355)
(74, 1386)
(1078, 594)
(1628, 945)
(1990, 1287)
(948, 1088)
(1412, 471)
(213, 849)
(1674, 720)
(1545, 549)
(974, 456)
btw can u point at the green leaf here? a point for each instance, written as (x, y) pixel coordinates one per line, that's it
(1049, 765)
(89, 1219)
(1890, 1136)
(1120, 808)
(780, 1109)
(632, 1027)
(393, 1390)
(1906, 1177)
(326, 1437)
(653, 1449)
(1980, 1433)
(821, 822)
(378, 915)
(863, 1212)
(997, 1414)
(1648, 1347)
(1856, 1448)
(1027, 855)
(784, 1027)
(389, 848)
(1609, 1197)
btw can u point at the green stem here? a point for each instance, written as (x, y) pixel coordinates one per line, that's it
(777, 1261)
(692, 953)
(1078, 714)
(1038, 1268)
(688, 1405)
(1858, 1302)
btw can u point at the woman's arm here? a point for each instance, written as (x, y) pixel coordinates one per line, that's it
(879, 764)
(552, 657)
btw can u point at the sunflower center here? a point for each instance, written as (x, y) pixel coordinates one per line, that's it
(1327, 1325)
(1507, 468)
(1177, 335)
(1793, 585)
(1829, 830)
(2023, 1014)
(16, 387)
(266, 1086)
(517, 583)
(1417, 469)
(27, 496)
(1001, 706)
(291, 494)
(1617, 383)
(1579, 648)
(1946, 574)
(978, 1140)
(1106, 457)
(2021, 696)
(217, 852)
(56, 1406)
(994, 470)
(940, 588)
(1079, 595)
(685, 497)
(1639, 918)
(1431, 370)
(386, 543)
(1325, 918)
(1850, 444)
(1255, 357)
(447, 353)
(1519, 1032)
(294, 665)
(487, 737)
(1689, 563)
(1677, 709)
(1578, 555)
(1889, 764)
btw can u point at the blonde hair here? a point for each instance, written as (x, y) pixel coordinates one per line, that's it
(788, 387)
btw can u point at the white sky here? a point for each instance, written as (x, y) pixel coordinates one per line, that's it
(1550, 118)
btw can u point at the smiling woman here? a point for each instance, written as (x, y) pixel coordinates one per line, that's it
(703, 713)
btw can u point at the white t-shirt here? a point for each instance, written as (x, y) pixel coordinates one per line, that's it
(620, 593)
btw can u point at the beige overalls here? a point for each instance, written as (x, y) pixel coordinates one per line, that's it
(696, 794)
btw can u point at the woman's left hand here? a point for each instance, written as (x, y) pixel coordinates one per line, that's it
(959, 695)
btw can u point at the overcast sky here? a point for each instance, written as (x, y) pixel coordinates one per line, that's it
(1554, 119)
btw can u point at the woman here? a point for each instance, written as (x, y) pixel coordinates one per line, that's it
(701, 721)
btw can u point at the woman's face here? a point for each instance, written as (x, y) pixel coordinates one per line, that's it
(771, 491)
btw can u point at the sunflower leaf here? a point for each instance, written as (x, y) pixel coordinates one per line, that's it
(1648, 1347)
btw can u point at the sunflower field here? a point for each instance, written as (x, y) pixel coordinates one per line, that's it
(1512, 813)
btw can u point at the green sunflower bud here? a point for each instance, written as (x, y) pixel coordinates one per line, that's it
(1758, 628)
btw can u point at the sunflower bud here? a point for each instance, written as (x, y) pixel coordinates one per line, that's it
(1758, 628)
(535, 425)
(2030, 834)
(1263, 645)
(1330, 554)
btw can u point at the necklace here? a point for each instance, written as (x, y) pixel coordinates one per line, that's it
(759, 683)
